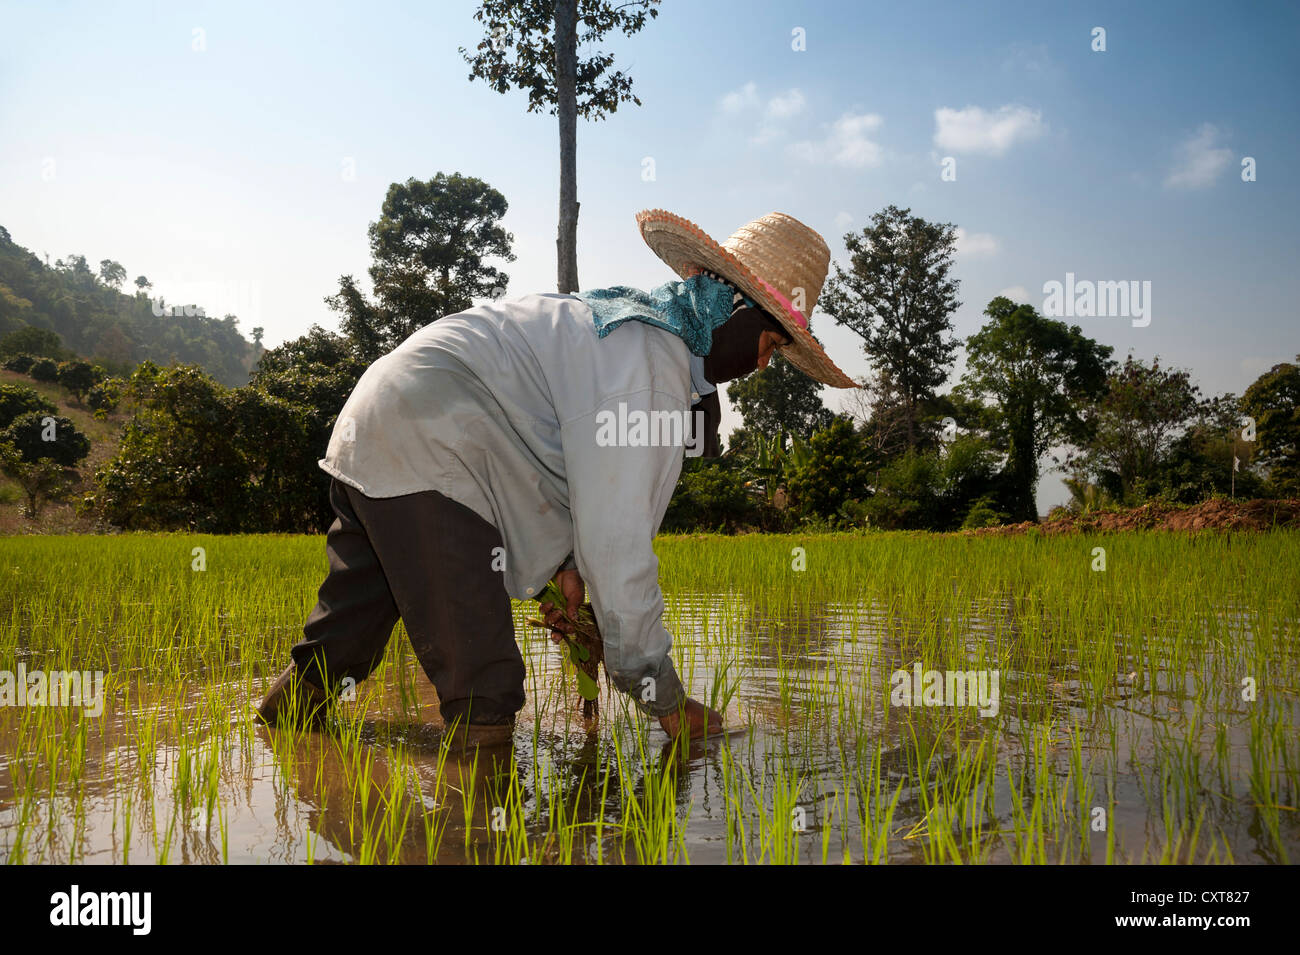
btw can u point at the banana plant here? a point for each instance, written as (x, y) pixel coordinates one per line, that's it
(773, 463)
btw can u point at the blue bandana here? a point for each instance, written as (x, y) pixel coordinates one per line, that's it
(690, 310)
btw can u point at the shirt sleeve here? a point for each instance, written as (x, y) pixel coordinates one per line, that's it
(621, 477)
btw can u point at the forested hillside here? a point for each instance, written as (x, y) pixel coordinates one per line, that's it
(85, 306)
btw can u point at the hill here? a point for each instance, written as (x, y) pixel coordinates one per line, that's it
(115, 330)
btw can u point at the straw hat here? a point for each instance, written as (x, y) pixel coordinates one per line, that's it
(777, 261)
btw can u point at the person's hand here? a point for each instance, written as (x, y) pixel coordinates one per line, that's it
(570, 584)
(692, 720)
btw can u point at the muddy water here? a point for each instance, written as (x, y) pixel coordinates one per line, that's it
(807, 699)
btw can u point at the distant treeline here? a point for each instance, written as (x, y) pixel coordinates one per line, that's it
(1036, 395)
(85, 306)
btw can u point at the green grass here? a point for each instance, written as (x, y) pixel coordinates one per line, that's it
(1122, 733)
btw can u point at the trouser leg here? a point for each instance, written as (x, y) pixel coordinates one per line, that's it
(347, 631)
(438, 557)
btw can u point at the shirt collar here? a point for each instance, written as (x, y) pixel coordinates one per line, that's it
(700, 386)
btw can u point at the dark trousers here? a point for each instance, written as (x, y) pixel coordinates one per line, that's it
(430, 561)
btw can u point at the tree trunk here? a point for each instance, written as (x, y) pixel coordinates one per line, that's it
(566, 89)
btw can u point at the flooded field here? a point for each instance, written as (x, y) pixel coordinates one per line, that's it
(889, 698)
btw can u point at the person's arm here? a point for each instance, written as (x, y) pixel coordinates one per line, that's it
(617, 497)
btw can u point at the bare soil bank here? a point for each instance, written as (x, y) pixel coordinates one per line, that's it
(1213, 515)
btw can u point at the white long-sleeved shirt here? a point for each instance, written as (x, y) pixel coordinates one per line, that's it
(521, 413)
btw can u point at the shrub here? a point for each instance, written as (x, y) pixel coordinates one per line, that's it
(983, 513)
(79, 377)
(710, 497)
(16, 400)
(105, 396)
(37, 435)
(837, 470)
(40, 342)
(44, 369)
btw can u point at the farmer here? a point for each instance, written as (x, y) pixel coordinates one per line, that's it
(515, 442)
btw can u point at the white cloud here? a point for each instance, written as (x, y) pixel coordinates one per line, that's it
(843, 220)
(976, 243)
(785, 105)
(741, 99)
(778, 108)
(1017, 293)
(847, 145)
(974, 130)
(1200, 160)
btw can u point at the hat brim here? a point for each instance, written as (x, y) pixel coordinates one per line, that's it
(686, 249)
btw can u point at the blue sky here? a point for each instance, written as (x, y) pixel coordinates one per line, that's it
(239, 165)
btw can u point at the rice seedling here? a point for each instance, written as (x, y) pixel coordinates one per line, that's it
(1146, 713)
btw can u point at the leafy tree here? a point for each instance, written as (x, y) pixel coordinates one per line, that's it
(41, 480)
(1200, 462)
(533, 45)
(428, 249)
(429, 245)
(838, 469)
(44, 369)
(936, 490)
(1273, 400)
(38, 342)
(779, 399)
(315, 373)
(78, 270)
(15, 311)
(111, 273)
(141, 284)
(114, 349)
(710, 496)
(104, 397)
(899, 298)
(19, 363)
(1132, 426)
(39, 435)
(1037, 372)
(199, 456)
(79, 377)
(16, 400)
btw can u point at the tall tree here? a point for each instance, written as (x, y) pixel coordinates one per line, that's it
(533, 45)
(112, 273)
(1038, 373)
(1133, 425)
(1212, 456)
(1273, 400)
(428, 251)
(899, 298)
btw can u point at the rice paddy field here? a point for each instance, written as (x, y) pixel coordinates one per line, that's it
(1144, 712)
